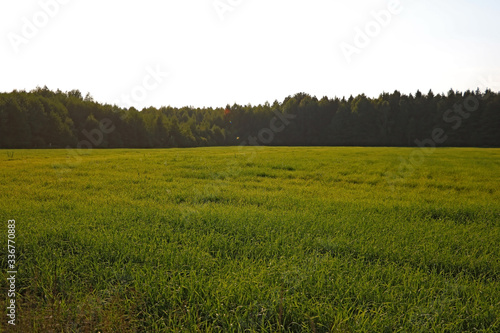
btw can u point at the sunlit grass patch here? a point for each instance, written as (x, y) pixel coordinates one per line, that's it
(287, 239)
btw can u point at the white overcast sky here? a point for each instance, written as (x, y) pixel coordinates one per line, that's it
(262, 50)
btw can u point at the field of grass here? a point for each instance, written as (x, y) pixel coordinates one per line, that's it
(270, 239)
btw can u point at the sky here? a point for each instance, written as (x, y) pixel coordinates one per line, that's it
(210, 53)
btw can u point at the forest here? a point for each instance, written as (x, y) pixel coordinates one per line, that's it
(43, 118)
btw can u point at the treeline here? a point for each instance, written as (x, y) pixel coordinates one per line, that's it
(43, 118)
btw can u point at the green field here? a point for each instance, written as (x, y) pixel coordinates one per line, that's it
(269, 239)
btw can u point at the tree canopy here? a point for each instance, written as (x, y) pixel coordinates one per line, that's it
(43, 118)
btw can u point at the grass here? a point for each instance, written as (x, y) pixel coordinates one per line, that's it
(268, 239)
